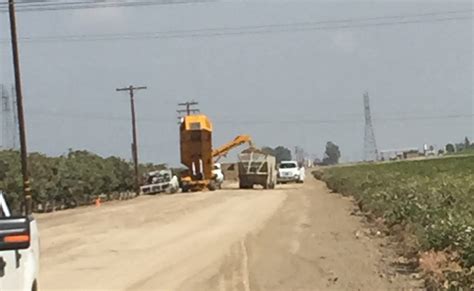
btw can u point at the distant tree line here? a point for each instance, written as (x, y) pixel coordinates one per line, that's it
(466, 145)
(331, 156)
(66, 181)
(281, 153)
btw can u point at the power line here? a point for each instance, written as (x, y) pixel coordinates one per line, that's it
(38, 6)
(68, 5)
(47, 3)
(27, 6)
(223, 32)
(299, 121)
(72, 5)
(29, 3)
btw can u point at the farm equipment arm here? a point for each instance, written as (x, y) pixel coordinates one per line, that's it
(224, 150)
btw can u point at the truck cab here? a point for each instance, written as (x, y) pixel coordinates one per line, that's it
(19, 251)
(159, 182)
(290, 171)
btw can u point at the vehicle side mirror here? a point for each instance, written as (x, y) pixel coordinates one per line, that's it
(14, 233)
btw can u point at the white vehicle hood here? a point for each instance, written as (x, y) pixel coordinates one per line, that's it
(288, 172)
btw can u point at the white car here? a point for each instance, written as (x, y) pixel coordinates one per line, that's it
(218, 175)
(289, 171)
(19, 251)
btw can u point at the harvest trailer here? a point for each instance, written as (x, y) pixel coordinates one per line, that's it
(256, 168)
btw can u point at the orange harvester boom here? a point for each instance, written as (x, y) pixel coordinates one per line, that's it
(223, 150)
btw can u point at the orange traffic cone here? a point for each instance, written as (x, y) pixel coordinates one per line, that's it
(97, 202)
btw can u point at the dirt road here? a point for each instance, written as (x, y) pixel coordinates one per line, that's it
(297, 237)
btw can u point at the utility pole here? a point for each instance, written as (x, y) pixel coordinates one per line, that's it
(131, 89)
(19, 103)
(188, 109)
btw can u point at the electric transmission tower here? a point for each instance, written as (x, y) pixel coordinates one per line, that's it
(7, 131)
(370, 146)
(9, 118)
(299, 154)
(15, 140)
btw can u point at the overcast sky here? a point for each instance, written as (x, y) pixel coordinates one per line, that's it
(297, 87)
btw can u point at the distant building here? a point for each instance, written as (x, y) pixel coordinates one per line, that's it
(399, 154)
(429, 150)
(411, 154)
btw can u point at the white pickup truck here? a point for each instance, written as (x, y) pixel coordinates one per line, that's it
(289, 171)
(19, 251)
(159, 182)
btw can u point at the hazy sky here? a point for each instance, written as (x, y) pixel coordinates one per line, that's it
(297, 87)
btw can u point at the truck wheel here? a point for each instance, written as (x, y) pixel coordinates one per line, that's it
(212, 186)
(170, 190)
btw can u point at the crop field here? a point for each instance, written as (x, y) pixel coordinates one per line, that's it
(433, 200)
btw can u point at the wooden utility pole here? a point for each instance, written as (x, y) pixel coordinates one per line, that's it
(131, 90)
(188, 109)
(19, 103)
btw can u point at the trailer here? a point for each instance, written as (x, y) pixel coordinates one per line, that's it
(256, 168)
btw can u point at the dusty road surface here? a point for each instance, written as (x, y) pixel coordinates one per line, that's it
(296, 237)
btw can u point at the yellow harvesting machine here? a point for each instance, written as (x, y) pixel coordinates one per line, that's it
(197, 153)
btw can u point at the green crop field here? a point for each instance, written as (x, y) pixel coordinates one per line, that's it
(431, 199)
